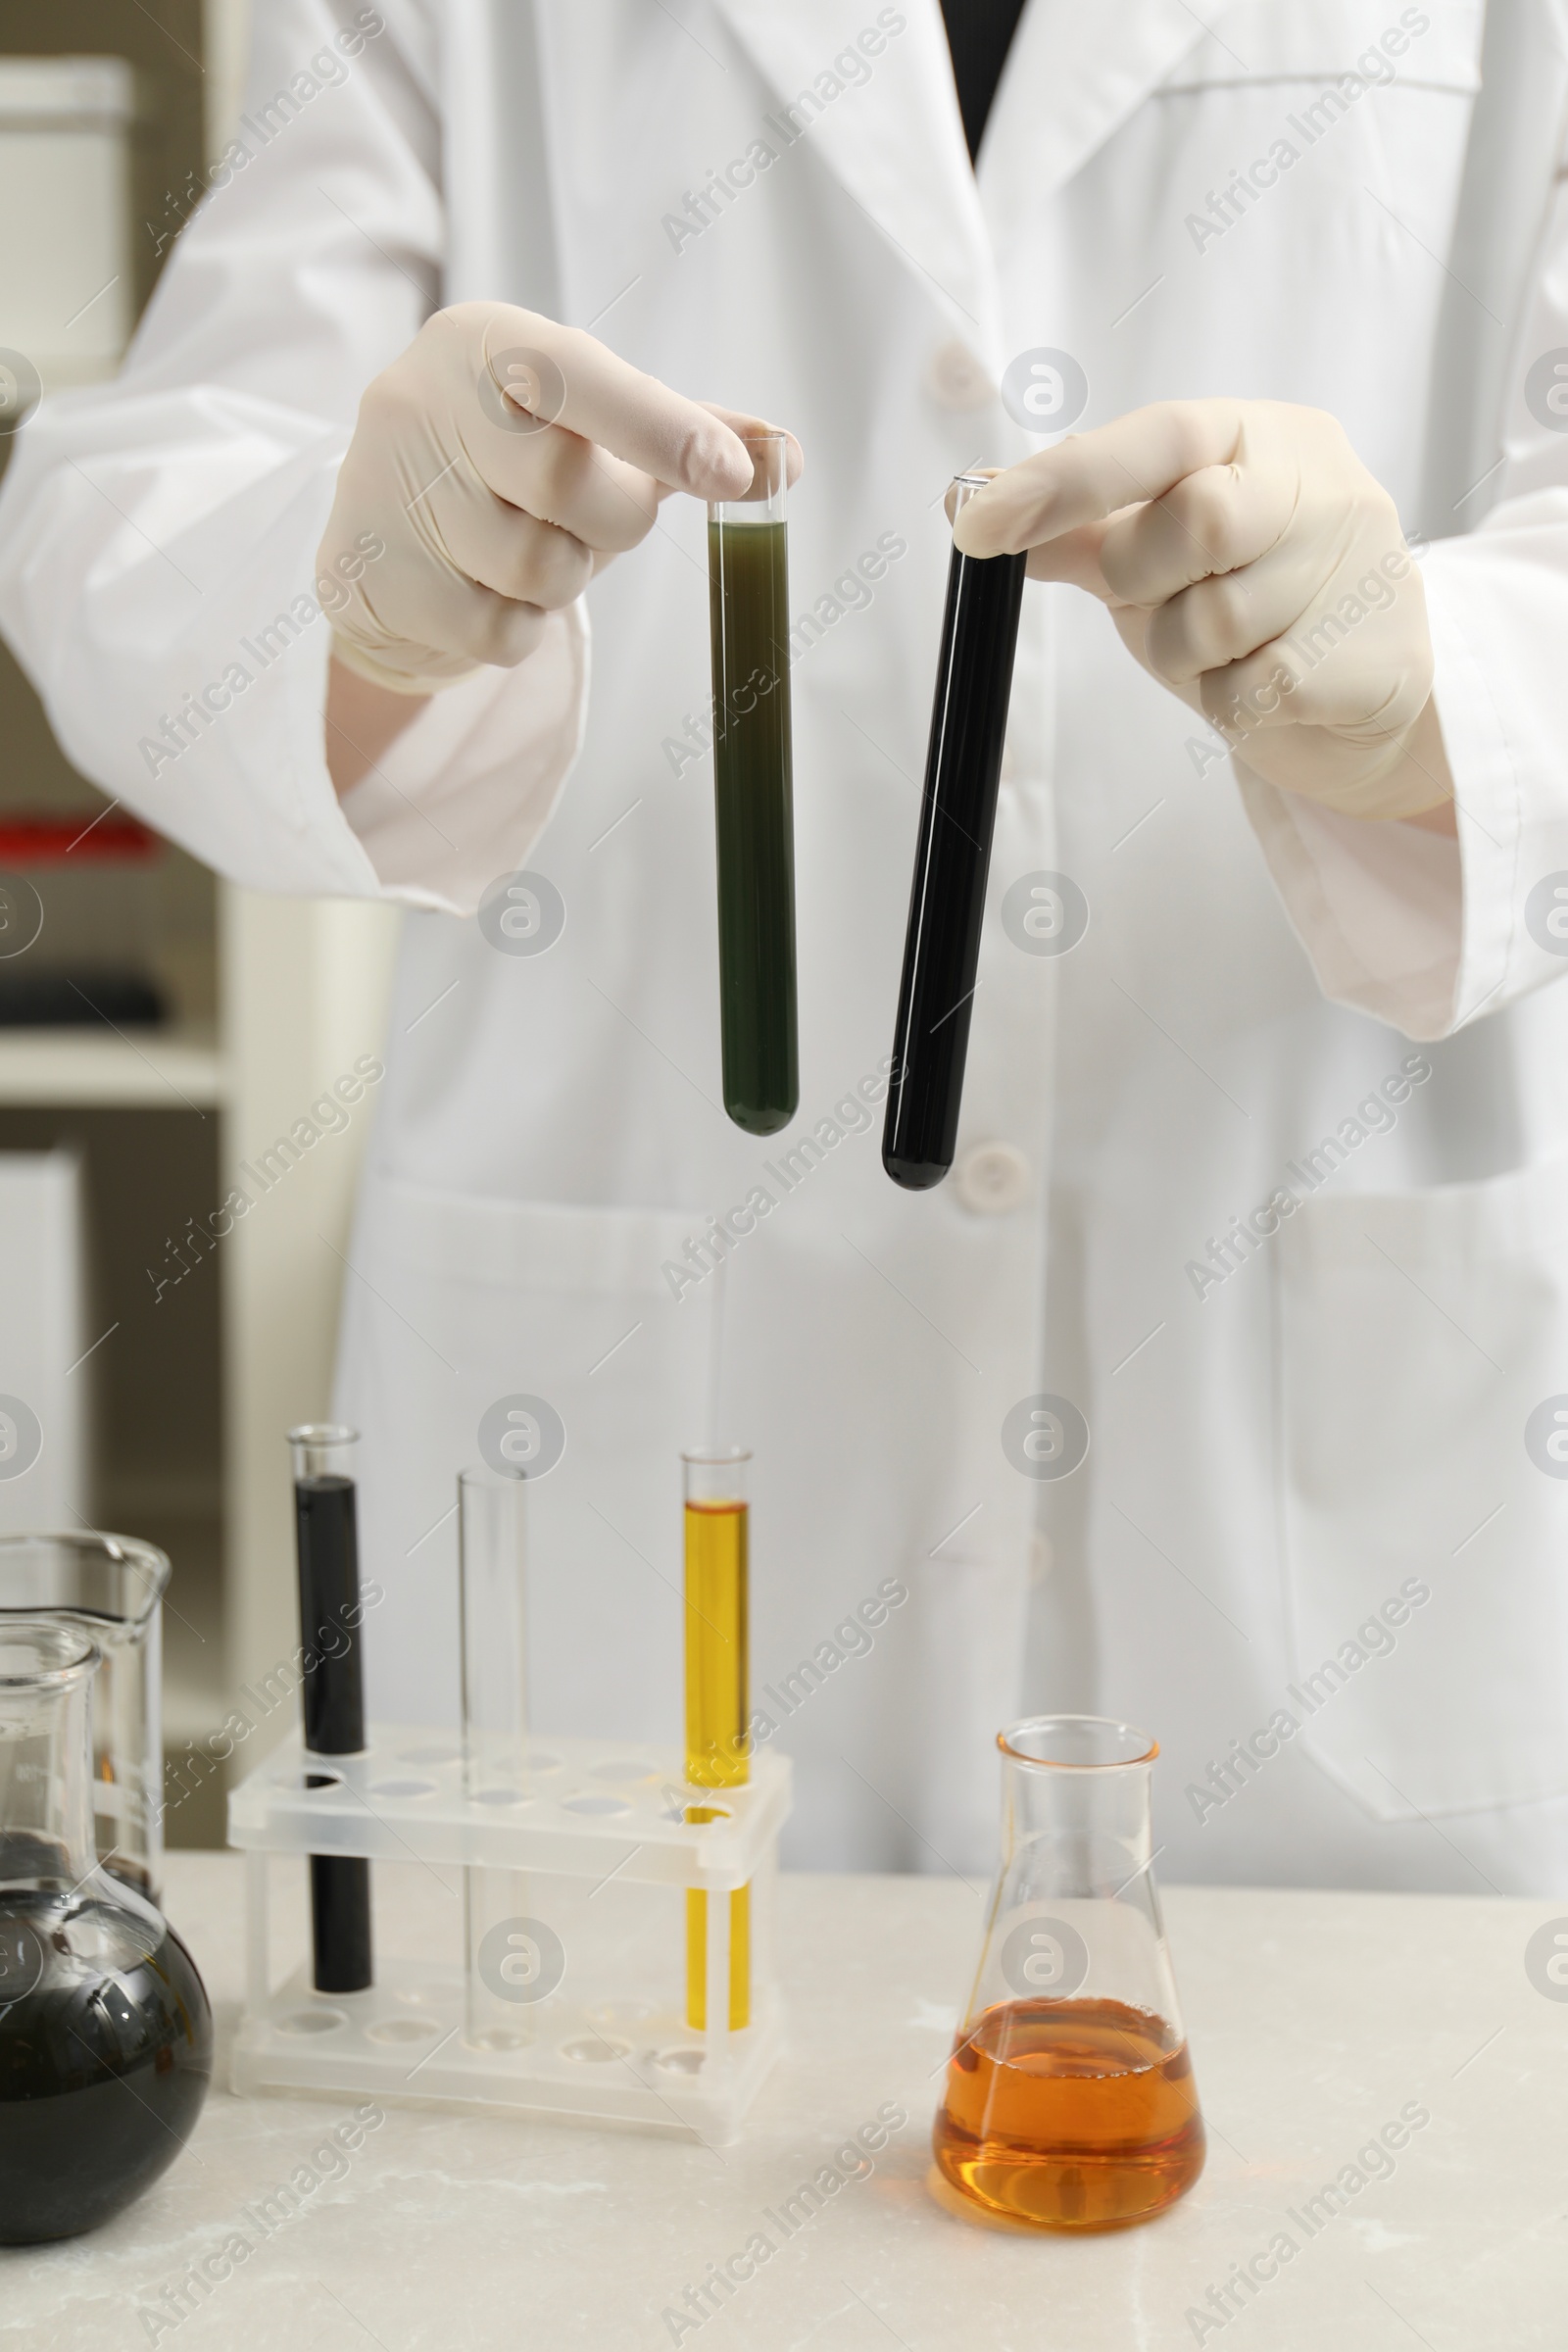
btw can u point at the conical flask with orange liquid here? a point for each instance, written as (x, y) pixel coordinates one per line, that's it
(1070, 2102)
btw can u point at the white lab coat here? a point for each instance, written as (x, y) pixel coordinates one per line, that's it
(1274, 1455)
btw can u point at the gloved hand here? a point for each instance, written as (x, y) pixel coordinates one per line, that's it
(1255, 567)
(500, 462)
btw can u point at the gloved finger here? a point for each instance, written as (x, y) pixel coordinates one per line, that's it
(440, 419)
(518, 554)
(1089, 475)
(1324, 674)
(595, 495)
(1221, 621)
(411, 604)
(610, 506)
(1131, 627)
(1074, 557)
(1215, 520)
(497, 630)
(950, 502)
(445, 457)
(564, 376)
(746, 427)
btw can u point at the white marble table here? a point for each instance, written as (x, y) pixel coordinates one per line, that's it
(1314, 2020)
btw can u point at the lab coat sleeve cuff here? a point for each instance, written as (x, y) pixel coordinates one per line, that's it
(1409, 925)
(462, 796)
(1377, 907)
(1424, 932)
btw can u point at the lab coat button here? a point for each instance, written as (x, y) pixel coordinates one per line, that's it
(992, 1180)
(955, 379)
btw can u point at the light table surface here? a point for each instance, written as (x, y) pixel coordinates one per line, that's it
(1314, 2020)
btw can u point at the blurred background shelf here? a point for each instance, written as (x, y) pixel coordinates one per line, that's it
(156, 1068)
(200, 1358)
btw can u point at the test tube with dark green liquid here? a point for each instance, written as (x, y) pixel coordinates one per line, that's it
(748, 576)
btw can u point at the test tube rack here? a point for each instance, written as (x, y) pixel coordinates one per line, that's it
(599, 1836)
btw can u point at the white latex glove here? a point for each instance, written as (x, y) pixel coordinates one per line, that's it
(1255, 567)
(500, 462)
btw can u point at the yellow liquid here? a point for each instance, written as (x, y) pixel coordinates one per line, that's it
(717, 1753)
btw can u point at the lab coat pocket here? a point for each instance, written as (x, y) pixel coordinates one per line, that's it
(1423, 1353)
(1291, 134)
(463, 1316)
(1358, 47)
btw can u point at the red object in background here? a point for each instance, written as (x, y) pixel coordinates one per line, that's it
(113, 839)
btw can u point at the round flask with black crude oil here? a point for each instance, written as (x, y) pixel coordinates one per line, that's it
(106, 2035)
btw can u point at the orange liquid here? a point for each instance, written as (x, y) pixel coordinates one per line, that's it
(1072, 2115)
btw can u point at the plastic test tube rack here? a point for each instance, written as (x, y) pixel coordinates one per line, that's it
(600, 1830)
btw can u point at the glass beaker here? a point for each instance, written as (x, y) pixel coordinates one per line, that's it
(748, 600)
(493, 1617)
(1070, 2102)
(717, 1672)
(114, 1588)
(106, 2035)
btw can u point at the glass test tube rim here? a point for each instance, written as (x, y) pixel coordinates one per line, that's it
(76, 1656)
(1145, 1751)
(313, 1444)
(764, 499)
(964, 486)
(717, 1477)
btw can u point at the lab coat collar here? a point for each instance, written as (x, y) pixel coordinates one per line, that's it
(1077, 68)
(895, 141)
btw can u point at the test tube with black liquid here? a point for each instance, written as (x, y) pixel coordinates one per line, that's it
(952, 860)
(333, 1688)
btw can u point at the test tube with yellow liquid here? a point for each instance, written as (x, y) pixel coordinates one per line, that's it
(717, 1746)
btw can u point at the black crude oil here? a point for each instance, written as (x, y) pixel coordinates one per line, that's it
(333, 1697)
(106, 2052)
(952, 857)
